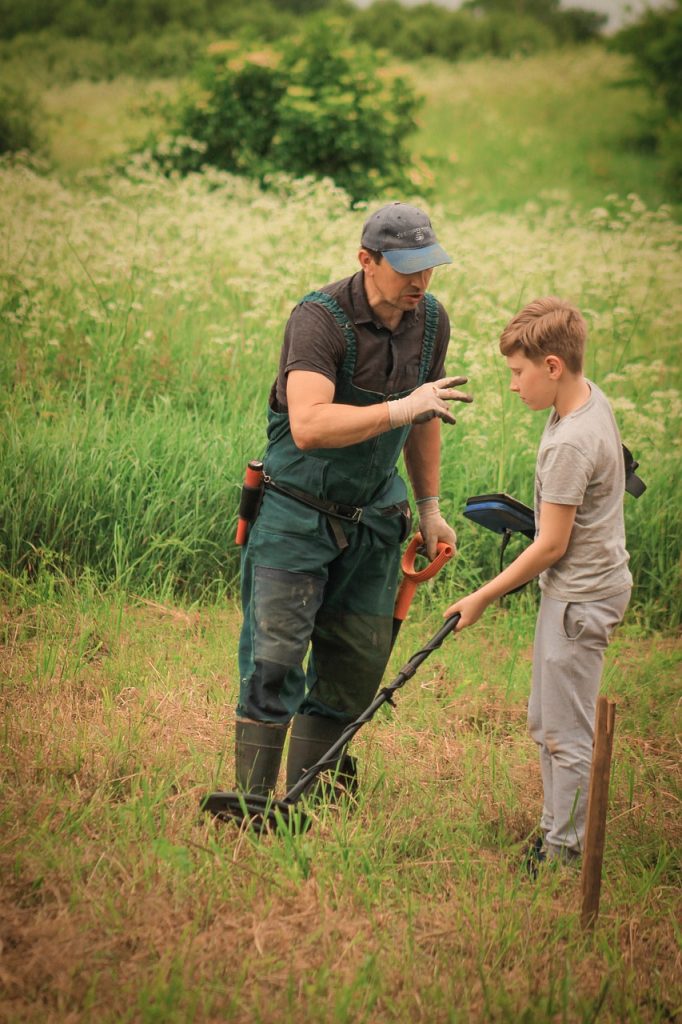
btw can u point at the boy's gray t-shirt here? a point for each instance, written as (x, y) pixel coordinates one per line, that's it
(580, 462)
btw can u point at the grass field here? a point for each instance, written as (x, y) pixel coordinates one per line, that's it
(141, 324)
(119, 905)
(499, 134)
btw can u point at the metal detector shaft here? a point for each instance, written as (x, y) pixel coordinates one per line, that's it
(384, 695)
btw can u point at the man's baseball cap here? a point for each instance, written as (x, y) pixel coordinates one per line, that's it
(405, 237)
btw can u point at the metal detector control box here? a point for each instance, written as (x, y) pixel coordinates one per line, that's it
(501, 513)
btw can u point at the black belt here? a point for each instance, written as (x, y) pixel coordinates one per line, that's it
(352, 513)
(334, 510)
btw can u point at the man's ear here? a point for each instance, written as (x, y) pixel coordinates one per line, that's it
(365, 259)
(555, 365)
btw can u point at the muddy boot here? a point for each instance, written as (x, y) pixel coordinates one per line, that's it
(311, 737)
(258, 753)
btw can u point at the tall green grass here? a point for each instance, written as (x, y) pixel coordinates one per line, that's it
(143, 318)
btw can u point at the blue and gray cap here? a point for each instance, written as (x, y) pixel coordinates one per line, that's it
(405, 237)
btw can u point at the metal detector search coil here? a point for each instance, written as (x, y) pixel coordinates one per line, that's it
(501, 513)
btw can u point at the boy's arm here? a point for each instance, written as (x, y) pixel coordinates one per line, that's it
(556, 524)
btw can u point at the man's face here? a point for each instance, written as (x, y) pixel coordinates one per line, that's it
(534, 382)
(385, 287)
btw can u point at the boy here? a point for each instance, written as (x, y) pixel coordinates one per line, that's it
(579, 553)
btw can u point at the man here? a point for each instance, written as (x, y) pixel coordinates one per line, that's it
(361, 378)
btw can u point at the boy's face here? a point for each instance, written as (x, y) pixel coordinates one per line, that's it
(534, 382)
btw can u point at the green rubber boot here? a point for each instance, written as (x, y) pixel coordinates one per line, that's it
(258, 754)
(311, 738)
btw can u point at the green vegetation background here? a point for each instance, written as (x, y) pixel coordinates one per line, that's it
(141, 320)
(126, 335)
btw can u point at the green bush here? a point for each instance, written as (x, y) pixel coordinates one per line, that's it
(118, 21)
(315, 105)
(54, 58)
(564, 24)
(501, 27)
(19, 120)
(147, 37)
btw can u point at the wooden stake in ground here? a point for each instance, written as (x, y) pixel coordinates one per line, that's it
(598, 799)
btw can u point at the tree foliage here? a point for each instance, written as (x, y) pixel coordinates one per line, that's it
(411, 31)
(655, 44)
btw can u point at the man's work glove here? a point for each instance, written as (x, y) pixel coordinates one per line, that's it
(427, 401)
(433, 527)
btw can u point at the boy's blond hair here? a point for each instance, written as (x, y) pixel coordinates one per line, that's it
(547, 327)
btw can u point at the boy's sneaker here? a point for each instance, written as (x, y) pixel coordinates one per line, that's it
(535, 856)
(563, 855)
(539, 852)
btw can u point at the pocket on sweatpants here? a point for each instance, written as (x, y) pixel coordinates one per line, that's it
(574, 620)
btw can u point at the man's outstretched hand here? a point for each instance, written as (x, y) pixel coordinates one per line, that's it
(427, 401)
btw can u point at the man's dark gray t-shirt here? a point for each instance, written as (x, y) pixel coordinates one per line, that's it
(387, 362)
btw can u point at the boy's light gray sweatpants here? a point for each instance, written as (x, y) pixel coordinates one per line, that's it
(568, 657)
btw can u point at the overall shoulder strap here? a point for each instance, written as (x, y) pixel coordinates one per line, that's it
(431, 317)
(343, 323)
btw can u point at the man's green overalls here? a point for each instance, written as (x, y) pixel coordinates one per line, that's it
(313, 578)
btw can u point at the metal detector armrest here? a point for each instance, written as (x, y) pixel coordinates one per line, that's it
(633, 484)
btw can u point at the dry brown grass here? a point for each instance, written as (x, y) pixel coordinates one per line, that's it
(119, 905)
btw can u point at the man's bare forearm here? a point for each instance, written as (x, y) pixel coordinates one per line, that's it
(330, 425)
(422, 458)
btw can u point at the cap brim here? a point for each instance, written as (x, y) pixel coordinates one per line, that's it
(412, 261)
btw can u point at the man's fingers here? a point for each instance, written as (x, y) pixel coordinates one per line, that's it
(447, 416)
(445, 389)
(457, 396)
(450, 395)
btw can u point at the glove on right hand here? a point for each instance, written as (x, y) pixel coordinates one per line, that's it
(433, 527)
(427, 401)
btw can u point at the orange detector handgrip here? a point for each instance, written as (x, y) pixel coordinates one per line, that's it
(412, 578)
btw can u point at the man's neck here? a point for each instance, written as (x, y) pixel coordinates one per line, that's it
(389, 315)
